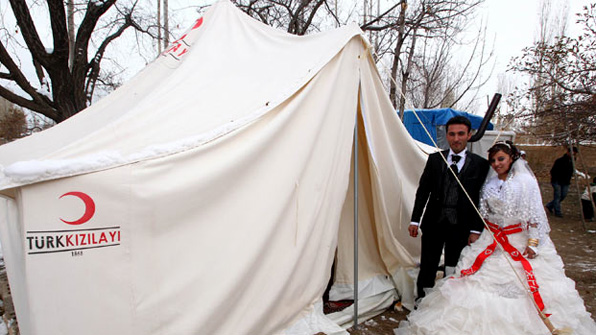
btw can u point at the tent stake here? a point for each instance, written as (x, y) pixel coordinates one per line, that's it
(356, 223)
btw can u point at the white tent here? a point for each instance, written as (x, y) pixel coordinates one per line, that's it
(209, 194)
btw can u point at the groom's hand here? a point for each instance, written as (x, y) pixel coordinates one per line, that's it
(413, 230)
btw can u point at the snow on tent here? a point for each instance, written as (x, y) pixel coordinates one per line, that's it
(212, 193)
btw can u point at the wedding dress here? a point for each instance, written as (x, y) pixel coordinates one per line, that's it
(494, 299)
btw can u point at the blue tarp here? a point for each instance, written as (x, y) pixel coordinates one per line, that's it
(433, 118)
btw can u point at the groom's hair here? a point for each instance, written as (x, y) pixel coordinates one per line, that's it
(459, 120)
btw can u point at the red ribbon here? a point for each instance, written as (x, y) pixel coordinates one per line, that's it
(500, 235)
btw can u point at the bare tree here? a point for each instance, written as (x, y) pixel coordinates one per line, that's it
(295, 16)
(423, 30)
(442, 78)
(561, 104)
(70, 13)
(63, 82)
(159, 47)
(166, 24)
(59, 90)
(163, 30)
(504, 119)
(394, 33)
(552, 25)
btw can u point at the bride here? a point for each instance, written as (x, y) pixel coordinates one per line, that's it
(515, 286)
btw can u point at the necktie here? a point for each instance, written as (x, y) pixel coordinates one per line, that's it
(454, 160)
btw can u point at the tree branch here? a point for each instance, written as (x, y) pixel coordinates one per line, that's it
(29, 32)
(19, 78)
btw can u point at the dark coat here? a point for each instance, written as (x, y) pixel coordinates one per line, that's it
(472, 177)
(562, 171)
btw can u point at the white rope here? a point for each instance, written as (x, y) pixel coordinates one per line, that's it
(543, 317)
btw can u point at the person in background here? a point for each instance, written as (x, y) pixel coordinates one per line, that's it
(450, 220)
(587, 202)
(522, 154)
(560, 178)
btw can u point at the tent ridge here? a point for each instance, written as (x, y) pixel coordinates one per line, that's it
(27, 172)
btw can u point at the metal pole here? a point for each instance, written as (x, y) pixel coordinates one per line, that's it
(356, 223)
(579, 194)
(585, 170)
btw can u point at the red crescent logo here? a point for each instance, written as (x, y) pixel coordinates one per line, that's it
(198, 23)
(89, 208)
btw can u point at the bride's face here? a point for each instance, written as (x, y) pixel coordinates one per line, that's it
(501, 163)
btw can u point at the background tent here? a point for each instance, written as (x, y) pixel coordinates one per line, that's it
(211, 193)
(434, 121)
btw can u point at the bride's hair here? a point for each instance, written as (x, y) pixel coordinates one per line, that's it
(507, 147)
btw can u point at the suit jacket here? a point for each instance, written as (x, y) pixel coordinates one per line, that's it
(430, 191)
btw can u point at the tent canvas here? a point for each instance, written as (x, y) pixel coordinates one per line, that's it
(434, 120)
(212, 192)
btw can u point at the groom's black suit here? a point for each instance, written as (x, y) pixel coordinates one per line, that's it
(439, 229)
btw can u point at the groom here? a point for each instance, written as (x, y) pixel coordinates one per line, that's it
(450, 221)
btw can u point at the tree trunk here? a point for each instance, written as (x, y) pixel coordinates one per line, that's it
(397, 51)
(159, 26)
(406, 77)
(166, 40)
(71, 32)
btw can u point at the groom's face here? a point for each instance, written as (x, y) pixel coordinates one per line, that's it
(458, 136)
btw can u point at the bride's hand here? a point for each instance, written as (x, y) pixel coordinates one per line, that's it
(529, 253)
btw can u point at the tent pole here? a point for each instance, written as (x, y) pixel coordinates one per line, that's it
(356, 223)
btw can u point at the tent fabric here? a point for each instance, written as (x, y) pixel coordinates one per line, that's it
(120, 129)
(386, 173)
(433, 118)
(212, 192)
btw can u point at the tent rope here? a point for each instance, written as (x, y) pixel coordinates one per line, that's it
(553, 330)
